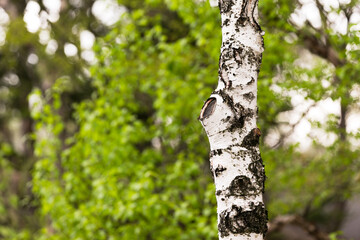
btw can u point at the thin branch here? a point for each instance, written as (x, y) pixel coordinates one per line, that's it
(292, 126)
(278, 223)
(314, 44)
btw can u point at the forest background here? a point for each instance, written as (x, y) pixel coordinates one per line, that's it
(99, 137)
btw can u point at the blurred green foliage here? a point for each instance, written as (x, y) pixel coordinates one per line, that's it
(136, 165)
(137, 168)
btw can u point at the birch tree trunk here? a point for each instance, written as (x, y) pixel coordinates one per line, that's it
(229, 119)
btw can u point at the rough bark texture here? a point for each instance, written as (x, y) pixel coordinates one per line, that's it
(229, 119)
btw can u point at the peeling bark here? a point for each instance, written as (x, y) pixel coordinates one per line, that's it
(229, 119)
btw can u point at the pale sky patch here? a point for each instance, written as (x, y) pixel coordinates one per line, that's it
(89, 56)
(44, 36)
(33, 59)
(108, 11)
(311, 13)
(87, 39)
(353, 121)
(4, 21)
(329, 4)
(53, 7)
(31, 16)
(51, 47)
(4, 17)
(70, 50)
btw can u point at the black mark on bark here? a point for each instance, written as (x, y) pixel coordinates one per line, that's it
(251, 81)
(241, 114)
(216, 152)
(249, 96)
(244, 14)
(247, 14)
(219, 170)
(228, 100)
(257, 169)
(241, 186)
(239, 56)
(252, 139)
(237, 123)
(237, 221)
(254, 59)
(226, 54)
(226, 22)
(225, 5)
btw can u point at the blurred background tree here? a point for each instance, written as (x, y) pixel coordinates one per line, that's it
(35, 39)
(104, 142)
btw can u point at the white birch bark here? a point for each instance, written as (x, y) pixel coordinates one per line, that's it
(229, 119)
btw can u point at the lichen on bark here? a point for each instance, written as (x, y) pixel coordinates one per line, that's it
(229, 119)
